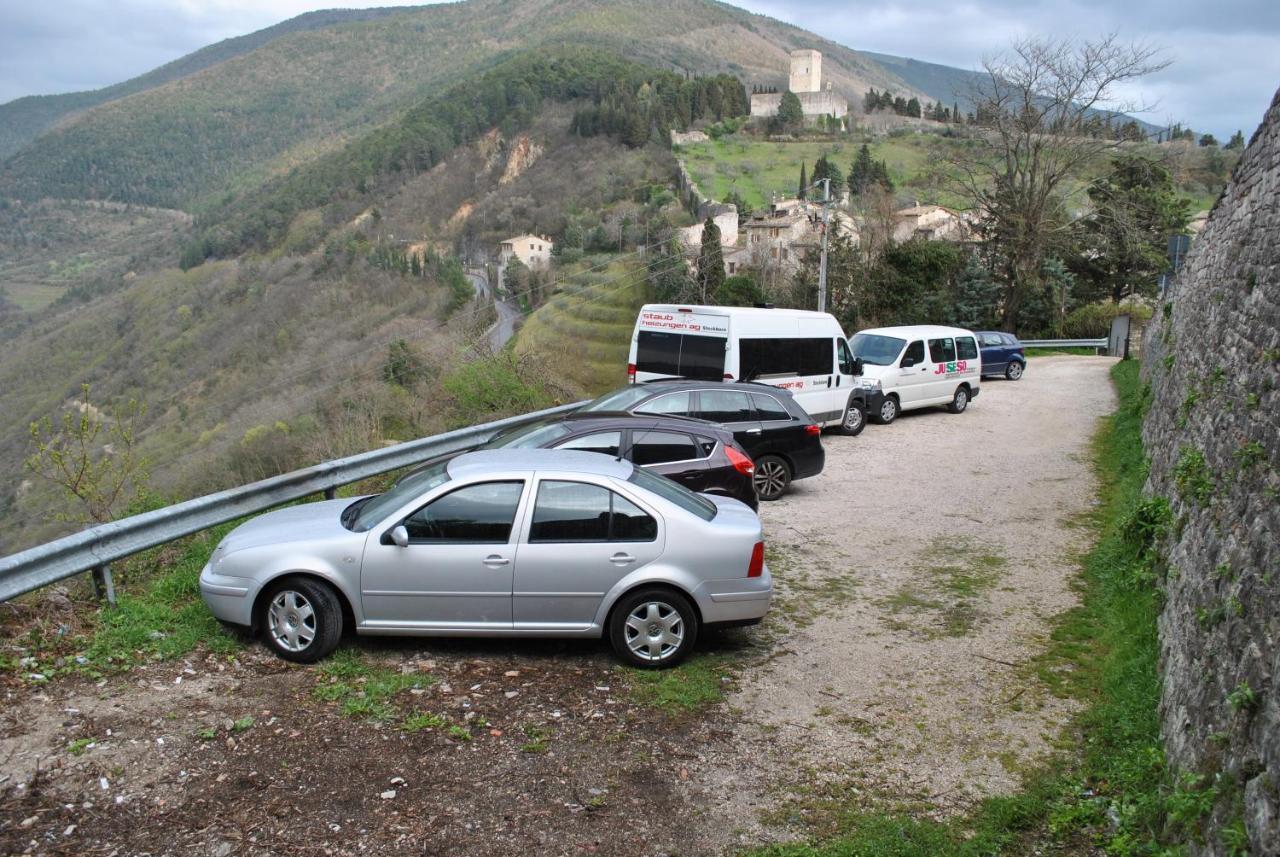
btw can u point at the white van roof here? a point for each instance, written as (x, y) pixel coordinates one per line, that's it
(911, 331)
(740, 311)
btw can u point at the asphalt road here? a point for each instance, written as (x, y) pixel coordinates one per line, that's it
(509, 314)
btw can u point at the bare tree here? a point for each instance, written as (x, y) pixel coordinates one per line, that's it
(1034, 106)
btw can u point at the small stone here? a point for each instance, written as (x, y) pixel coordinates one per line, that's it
(397, 781)
(511, 694)
(71, 828)
(511, 673)
(223, 849)
(496, 733)
(104, 783)
(29, 821)
(388, 794)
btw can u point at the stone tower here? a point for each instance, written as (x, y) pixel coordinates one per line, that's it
(806, 71)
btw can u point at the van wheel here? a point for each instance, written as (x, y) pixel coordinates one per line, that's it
(888, 411)
(1013, 371)
(959, 401)
(772, 477)
(855, 419)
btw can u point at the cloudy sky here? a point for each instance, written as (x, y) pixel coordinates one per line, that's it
(1226, 54)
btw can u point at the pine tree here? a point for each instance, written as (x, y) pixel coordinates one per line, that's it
(803, 192)
(710, 261)
(1236, 141)
(862, 173)
(790, 112)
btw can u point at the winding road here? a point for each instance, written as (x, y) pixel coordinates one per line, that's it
(509, 314)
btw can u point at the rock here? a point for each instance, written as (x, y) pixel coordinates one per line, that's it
(223, 849)
(388, 794)
(57, 599)
(29, 821)
(511, 673)
(71, 828)
(511, 694)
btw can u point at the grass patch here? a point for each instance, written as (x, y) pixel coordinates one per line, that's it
(365, 691)
(699, 682)
(537, 742)
(1117, 795)
(942, 600)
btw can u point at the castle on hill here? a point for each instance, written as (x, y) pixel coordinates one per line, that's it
(806, 83)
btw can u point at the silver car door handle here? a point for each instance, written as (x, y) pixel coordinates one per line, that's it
(496, 561)
(622, 559)
(754, 431)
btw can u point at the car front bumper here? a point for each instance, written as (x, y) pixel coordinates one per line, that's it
(229, 599)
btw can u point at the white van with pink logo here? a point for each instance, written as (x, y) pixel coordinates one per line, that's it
(918, 366)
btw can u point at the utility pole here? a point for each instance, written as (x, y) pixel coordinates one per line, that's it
(822, 264)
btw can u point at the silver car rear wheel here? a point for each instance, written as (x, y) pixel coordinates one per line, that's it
(653, 628)
(655, 631)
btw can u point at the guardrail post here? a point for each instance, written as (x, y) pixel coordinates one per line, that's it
(103, 585)
(331, 492)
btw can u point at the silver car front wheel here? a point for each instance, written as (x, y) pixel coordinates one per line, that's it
(301, 619)
(653, 628)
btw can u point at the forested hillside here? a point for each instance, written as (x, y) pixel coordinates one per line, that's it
(184, 144)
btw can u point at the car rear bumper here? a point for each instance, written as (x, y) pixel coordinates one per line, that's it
(740, 600)
(229, 599)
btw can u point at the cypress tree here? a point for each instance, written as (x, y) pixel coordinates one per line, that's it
(710, 261)
(803, 192)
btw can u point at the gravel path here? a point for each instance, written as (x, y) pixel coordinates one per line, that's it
(919, 571)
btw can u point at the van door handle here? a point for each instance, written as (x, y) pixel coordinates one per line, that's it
(622, 559)
(495, 561)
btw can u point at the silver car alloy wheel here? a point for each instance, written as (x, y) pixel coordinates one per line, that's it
(655, 631)
(292, 620)
(771, 478)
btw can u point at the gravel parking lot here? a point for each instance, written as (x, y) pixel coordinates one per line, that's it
(917, 576)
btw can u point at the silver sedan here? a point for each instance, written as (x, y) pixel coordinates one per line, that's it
(531, 543)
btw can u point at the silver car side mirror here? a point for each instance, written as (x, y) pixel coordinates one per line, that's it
(400, 536)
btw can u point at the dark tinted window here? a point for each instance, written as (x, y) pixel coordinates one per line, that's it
(706, 445)
(769, 408)
(672, 403)
(724, 406)
(758, 358)
(942, 350)
(846, 358)
(966, 348)
(914, 354)
(603, 442)
(629, 523)
(680, 354)
(675, 493)
(659, 447)
(578, 512)
(476, 513)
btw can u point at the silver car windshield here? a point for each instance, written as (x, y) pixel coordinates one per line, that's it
(376, 509)
(619, 400)
(675, 493)
(529, 437)
(875, 349)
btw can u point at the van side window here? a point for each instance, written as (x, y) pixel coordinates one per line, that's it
(846, 359)
(915, 353)
(942, 350)
(966, 348)
(759, 358)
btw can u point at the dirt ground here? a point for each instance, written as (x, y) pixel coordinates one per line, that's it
(916, 578)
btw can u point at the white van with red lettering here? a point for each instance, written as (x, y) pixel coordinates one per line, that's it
(918, 366)
(801, 351)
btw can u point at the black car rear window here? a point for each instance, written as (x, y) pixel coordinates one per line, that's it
(675, 493)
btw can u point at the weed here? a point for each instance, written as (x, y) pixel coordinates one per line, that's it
(1249, 454)
(460, 733)
(364, 691)
(537, 742)
(207, 734)
(695, 684)
(1191, 476)
(78, 746)
(243, 724)
(1243, 698)
(418, 721)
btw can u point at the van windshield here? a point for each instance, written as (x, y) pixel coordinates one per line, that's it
(680, 355)
(876, 349)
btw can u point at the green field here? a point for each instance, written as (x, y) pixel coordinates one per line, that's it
(759, 170)
(918, 164)
(583, 331)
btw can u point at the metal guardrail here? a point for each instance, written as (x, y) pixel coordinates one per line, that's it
(95, 548)
(1065, 343)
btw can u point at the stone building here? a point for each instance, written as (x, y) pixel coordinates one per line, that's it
(805, 81)
(931, 222)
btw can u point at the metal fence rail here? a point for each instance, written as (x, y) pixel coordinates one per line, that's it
(95, 548)
(1065, 343)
